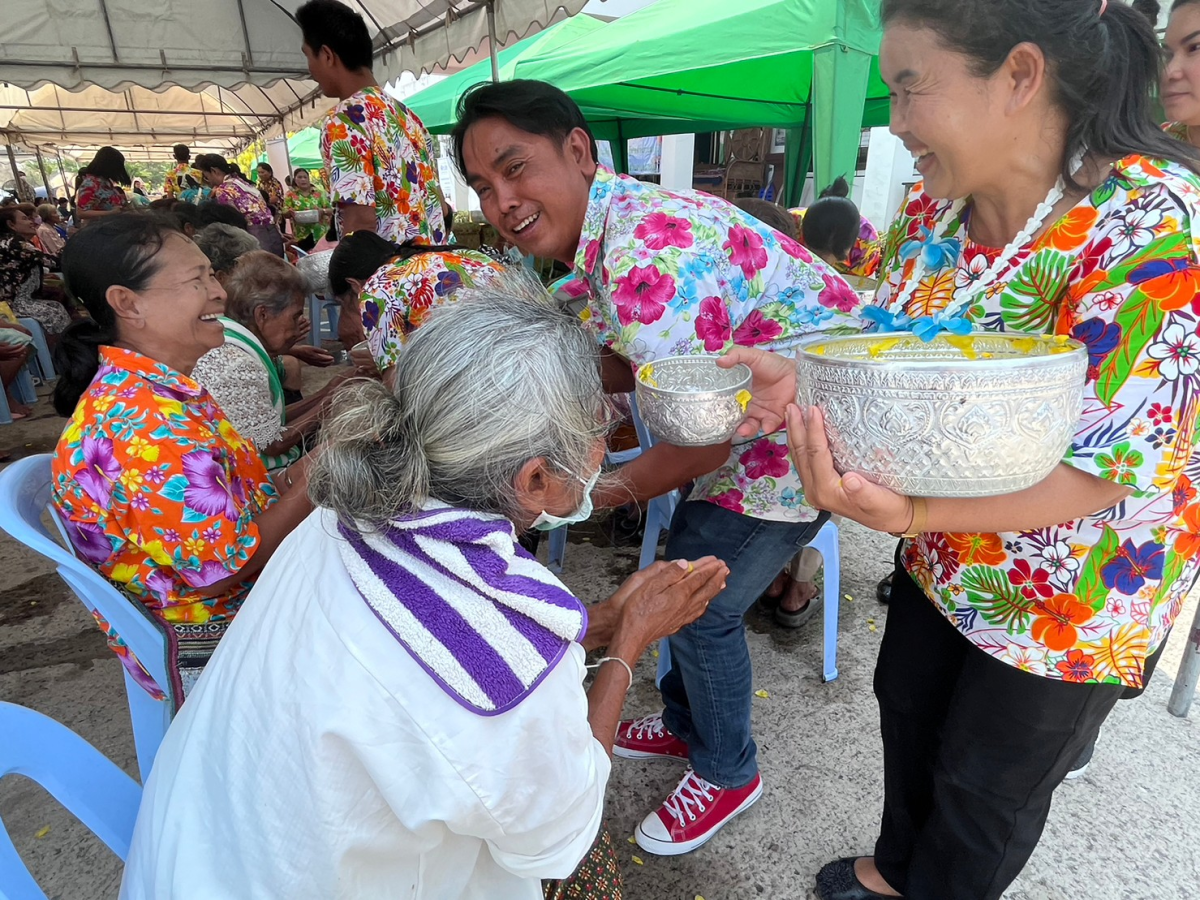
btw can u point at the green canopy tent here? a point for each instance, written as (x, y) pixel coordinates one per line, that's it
(437, 104)
(304, 149)
(703, 65)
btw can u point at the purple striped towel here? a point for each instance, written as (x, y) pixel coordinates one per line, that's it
(484, 618)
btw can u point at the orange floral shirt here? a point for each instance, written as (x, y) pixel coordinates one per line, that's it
(157, 490)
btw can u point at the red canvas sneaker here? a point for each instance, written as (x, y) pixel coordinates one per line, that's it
(695, 811)
(647, 738)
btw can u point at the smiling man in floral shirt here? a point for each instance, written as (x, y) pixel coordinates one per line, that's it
(669, 273)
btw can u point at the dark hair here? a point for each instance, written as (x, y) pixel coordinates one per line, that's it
(532, 106)
(831, 226)
(187, 214)
(327, 23)
(181, 153)
(1148, 8)
(1101, 68)
(769, 214)
(1179, 3)
(206, 161)
(109, 162)
(8, 215)
(361, 254)
(839, 188)
(211, 211)
(267, 166)
(120, 249)
(163, 204)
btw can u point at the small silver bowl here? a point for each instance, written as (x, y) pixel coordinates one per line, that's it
(689, 401)
(315, 267)
(971, 416)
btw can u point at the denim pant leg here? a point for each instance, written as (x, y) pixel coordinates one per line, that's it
(707, 692)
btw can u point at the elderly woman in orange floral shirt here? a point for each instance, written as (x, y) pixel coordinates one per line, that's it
(155, 486)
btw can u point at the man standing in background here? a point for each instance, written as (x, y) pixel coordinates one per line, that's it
(382, 173)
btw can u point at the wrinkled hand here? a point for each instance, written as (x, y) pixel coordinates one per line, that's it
(669, 595)
(850, 495)
(311, 356)
(9, 352)
(773, 388)
(363, 359)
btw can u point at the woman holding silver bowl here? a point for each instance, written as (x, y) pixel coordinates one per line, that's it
(1051, 204)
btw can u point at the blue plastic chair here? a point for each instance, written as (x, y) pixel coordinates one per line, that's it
(25, 391)
(827, 544)
(43, 361)
(76, 774)
(24, 496)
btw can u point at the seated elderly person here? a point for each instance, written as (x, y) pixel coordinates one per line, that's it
(418, 716)
(21, 274)
(157, 489)
(264, 317)
(224, 245)
(387, 289)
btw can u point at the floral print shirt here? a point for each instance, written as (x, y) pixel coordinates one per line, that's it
(316, 199)
(176, 180)
(396, 299)
(271, 190)
(865, 255)
(1089, 599)
(98, 194)
(245, 199)
(676, 273)
(19, 261)
(157, 489)
(379, 154)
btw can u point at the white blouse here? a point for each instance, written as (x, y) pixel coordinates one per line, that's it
(317, 759)
(242, 388)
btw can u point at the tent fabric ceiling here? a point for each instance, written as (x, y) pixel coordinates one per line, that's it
(221, 71)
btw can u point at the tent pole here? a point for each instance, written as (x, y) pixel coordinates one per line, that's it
(287, 152)
(42, 169)
(12, 161)
(491, 20)
(63, 173)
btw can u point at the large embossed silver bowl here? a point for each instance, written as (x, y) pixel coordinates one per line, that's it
(690, 401)
(961, 416)
(315, 267)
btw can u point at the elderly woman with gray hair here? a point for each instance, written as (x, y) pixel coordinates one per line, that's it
(399, 708)
(264, 317)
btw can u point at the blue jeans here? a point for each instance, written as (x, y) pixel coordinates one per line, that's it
(707, 691)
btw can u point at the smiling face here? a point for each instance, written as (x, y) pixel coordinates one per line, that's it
(950, 119)
(532, 188)
(22, 226)
(1181, 74)
(264, 174)
(174, 319)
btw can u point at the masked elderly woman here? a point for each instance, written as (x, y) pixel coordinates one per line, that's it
(1051, 203)
(157, 489)
(418, 716)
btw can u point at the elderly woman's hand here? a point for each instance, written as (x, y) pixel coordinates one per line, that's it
(849, 495)
(312, 356)
(665, 596)
(773, 388)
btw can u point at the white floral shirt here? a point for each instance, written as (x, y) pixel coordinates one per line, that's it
(674, 273)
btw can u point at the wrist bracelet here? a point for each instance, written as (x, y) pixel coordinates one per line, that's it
(920, 515)
(615, 659)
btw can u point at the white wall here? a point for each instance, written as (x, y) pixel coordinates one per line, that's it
(889, 171)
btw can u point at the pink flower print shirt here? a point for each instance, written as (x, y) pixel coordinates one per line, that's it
(676, 273)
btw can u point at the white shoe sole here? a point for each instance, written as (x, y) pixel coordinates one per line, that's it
(670, 848)
(642, 754)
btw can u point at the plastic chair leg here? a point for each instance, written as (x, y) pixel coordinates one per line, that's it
(150, 719)
(831, 557)
(23, 387)
(558, 550)
(45, 362)
(5, 413)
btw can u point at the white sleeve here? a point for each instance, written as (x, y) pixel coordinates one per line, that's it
(242, 389)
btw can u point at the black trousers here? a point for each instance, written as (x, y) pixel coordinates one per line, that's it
(973, 750)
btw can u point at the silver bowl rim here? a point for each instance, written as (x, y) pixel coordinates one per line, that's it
(1078, 350)
(743, 384)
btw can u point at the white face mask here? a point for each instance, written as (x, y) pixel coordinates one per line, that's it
(548, 522)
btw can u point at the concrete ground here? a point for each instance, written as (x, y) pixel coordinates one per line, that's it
(1129, 830)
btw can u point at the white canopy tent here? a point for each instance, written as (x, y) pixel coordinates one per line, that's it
(215, 74)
